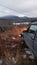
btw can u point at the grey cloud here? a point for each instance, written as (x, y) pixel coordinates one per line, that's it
(24, 7)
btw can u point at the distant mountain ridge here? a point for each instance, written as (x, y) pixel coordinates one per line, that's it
(9, 17)
(13, 17)
(19, 19)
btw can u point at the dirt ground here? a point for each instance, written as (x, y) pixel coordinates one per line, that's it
(18, 56)
(12, 52)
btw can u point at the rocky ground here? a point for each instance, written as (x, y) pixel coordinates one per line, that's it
(18, 56)
(13, 50)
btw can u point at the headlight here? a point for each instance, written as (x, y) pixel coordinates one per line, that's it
(19, 35)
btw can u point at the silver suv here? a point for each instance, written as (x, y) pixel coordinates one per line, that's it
(30, 37)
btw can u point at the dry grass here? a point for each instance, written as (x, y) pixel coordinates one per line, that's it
(15, 57)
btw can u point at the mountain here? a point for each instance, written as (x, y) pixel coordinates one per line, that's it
(9, 17)
(14, 17)
(18, 19)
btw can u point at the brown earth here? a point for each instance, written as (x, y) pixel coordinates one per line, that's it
(10, 48)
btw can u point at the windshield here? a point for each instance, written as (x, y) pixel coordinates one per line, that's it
(33, 27)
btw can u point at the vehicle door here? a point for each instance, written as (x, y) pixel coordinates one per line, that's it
(29, 36)
(35, 43)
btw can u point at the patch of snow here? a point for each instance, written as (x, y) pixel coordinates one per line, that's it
(13, 38)
(31, 57)
(28, 52)
(24, 56)
(19, 35)
(14, 46)
(13, 59)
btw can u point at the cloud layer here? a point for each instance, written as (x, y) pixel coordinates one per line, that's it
(22, 7)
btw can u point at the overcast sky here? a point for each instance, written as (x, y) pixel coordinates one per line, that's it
(22, 7)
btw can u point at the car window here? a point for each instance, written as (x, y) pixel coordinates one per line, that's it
(33, 27)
